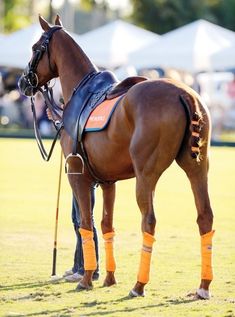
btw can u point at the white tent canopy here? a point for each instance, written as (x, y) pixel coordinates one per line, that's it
(109, 45)
(224, 59)
(16, 48)
(187, 48)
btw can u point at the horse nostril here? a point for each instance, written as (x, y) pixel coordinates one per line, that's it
(20, 84)
(24, 87)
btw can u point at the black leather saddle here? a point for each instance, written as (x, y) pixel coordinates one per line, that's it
(93, 90)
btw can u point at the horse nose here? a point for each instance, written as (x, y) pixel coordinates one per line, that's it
(24, 87)
(21, 84)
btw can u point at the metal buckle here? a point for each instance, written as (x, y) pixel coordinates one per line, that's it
(75, 156)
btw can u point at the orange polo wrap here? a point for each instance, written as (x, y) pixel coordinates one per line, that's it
(206, 255)
(88, 247)
(108, 244)
(145, 259)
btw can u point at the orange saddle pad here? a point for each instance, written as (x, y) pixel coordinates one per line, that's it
(101, 115)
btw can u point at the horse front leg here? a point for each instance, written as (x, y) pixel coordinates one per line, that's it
(144, 195)
(108, 232)
(82, 192)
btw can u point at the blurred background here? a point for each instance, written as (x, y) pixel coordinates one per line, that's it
(191, 41)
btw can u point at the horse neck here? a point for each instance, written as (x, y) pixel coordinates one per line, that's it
(72, 64)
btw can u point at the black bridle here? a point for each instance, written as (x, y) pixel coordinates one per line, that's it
(31, 82)
(30, 76)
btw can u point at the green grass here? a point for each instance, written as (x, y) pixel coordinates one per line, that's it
(28, 189)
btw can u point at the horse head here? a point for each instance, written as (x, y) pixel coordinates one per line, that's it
(42, 67)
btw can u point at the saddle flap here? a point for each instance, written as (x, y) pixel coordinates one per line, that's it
(84, 99)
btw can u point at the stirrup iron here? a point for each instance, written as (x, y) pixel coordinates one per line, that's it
(75, 156)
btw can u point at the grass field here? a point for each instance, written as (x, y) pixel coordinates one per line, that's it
(28, 189)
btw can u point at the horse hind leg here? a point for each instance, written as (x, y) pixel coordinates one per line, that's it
(144, 195)
(147, 174)
(198, 177)
(149, 163)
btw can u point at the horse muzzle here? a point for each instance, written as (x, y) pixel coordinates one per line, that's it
(28, 84)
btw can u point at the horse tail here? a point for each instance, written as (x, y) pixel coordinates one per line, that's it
(195, 124)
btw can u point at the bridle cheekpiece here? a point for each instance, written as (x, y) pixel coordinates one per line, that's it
(30, 76)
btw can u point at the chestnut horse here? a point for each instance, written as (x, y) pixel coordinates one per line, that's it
(155, 123)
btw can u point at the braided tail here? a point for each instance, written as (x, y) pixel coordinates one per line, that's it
(195, 119)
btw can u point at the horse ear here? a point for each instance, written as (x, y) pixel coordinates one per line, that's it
(44, 24)
(58, 21)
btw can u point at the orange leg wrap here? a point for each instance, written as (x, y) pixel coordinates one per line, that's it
(145, 259)
(88, 247)
(108, 244)
(206, 256)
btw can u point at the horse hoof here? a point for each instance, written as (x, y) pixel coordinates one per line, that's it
(201, 293)
(80, 287)
(133, 293)
(109, 283)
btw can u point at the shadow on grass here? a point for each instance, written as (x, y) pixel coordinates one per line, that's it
(166, 303)
(27, 285)
(100, 312)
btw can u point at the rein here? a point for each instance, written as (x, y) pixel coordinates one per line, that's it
(50, 103)
(47, 93)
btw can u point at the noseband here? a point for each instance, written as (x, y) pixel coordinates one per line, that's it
(30, 75)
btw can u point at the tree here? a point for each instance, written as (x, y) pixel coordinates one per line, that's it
(91, 4)
(224, 12)
(15, 14)
(161, 16)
